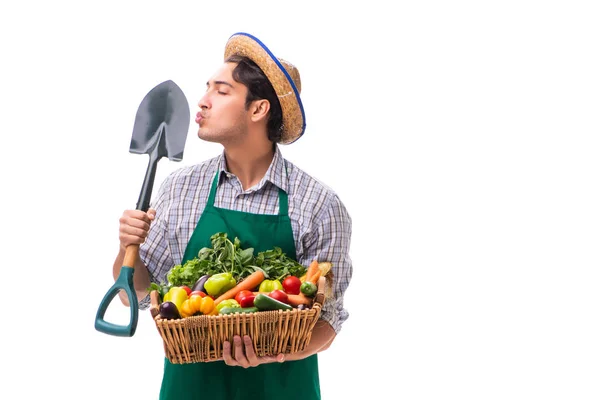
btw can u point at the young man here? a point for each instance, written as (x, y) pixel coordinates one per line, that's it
(252, 104)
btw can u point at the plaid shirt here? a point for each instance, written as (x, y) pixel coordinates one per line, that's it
(320, 223)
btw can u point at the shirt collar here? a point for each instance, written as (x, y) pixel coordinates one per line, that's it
(276, 173)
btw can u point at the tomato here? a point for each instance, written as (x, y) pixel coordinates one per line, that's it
(291, 285)
(242, 293)
(247, 301)
(187, 289)
(279, 295)
(198, 292)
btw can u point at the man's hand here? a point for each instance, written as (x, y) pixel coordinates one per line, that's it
(245, 356)
(134, 226)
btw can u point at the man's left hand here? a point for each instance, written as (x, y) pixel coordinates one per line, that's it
(245, 356)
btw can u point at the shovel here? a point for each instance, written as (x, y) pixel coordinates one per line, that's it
(160, 129)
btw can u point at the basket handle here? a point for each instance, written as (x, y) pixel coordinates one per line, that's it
(320, 296)
(154, 304)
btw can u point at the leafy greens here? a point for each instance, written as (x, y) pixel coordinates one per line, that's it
(227, 256)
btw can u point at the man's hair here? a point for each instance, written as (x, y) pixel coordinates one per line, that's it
(250, 75)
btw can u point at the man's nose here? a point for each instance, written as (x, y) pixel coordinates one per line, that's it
(204, 102)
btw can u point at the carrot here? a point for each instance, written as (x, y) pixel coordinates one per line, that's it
(312, 269)
(315, 277)
(248, 283)
(297, 299)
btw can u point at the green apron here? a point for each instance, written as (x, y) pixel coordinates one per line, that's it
(216, 380)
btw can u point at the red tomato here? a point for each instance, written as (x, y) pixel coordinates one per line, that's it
(247, 301)
(291, 284)
(198, 292)
(187, 289)
(279, 295)
(242, 293)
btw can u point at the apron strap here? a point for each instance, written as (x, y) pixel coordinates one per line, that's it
(283, 198)
(213, 190)
(283, 203)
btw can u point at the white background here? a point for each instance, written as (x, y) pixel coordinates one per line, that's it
(462, 137)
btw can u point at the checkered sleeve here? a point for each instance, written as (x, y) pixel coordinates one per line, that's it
(155, 252)
(331, 242)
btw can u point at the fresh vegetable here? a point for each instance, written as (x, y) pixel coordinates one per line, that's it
(219, 283)
(233, 310)
(312, 269)
(247, 300)
(291, 285)
(324, 267)
(199, 285)
(197, 305)
(161, 289)
(279, 295)
(242, 293)
(226, 255)
(227, 303)
(265, 303)
(187, 289)
(308, 289)
(223, 256)
(248, 283)
(277, 265)
(299, 299)
(198, 293)
(176, 295)
(315, 277)
(168, 310)
(269, 285)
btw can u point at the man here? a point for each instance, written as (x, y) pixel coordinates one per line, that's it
(252, 104)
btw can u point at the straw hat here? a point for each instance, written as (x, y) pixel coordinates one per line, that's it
(284, 77)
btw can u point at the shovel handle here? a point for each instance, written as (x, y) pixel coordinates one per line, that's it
(124, 282)
(132, 254)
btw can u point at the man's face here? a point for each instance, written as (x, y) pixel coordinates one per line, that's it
(223, 117)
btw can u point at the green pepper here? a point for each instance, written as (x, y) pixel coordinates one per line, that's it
(308, 289)
(218, 284)
(227, 303)
(268, 286)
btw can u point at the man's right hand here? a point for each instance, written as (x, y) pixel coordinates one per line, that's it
(133, 230)
(134, 226)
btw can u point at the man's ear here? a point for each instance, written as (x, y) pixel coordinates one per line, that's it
(259, 109)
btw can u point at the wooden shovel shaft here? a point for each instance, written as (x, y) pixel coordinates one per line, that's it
(132, 254)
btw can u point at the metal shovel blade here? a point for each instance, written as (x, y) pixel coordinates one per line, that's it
(160, 130)
(164, 108)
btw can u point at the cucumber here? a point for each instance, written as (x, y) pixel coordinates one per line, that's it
(265, 303)
(233, 310)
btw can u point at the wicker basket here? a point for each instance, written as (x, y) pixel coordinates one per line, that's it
(200, 338)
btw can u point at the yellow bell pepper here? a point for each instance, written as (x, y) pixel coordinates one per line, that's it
(267, 286)
(176, 295)
(197, 305)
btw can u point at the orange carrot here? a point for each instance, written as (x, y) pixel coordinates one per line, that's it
(248, 283)
(297, 299)
(314, 277)
(312, 269)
